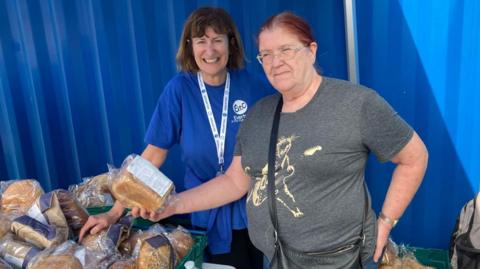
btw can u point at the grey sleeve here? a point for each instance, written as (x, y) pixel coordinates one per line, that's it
(384, 132)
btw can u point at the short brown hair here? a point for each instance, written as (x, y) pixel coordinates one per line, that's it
(195, 26)
(292, 23)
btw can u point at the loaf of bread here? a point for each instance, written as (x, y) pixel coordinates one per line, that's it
(17, 253)
(74, 213)
(39, 234)
(182, 241)
(17, 196)
(94, 191)
(140, 184)
(57, 262)
(156, 252)
(68, 255)
(107, 241)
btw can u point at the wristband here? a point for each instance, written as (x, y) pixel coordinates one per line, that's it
(387, 220)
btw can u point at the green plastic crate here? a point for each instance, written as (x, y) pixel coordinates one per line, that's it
(437, 258)
(196, 252)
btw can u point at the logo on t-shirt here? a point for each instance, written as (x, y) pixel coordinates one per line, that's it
(240, 108)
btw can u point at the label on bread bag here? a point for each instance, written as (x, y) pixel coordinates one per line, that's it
(147, 173)
(47, 231)
(157, 241)
(36, 213)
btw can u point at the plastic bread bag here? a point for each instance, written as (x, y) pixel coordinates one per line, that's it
(118, 262)
(5, 223)
(94, 191)
(137, 237)
(4, 264)
(108, 241)
(181, 240)
(140, 184)
(17, 253)
(44, 225)
(409, 261)
(74, 213)
(17, 196)
(68, 255)
(155, 252)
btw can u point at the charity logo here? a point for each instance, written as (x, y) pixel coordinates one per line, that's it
(240, 107)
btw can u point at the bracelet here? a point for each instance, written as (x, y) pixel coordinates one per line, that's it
(387, 220)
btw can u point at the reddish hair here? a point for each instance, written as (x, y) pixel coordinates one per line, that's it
(292, 23)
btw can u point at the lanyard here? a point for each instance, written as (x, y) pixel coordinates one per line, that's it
(219, 139)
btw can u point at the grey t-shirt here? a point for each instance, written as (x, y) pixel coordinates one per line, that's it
(322, 151)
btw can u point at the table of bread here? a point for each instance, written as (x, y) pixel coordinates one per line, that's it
(40, 229)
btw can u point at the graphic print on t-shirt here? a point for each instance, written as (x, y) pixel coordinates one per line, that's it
(240, 108)
(284, 170)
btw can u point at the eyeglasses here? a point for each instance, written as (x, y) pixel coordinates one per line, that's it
(285, 53)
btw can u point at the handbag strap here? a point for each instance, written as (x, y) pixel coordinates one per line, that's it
(271, 177)
(272, 148)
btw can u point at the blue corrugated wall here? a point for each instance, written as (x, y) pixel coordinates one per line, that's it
(424, 58)
(79, 81)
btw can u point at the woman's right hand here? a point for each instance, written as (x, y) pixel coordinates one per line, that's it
(96, 223)
(99, 222)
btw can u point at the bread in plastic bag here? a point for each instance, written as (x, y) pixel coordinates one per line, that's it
(45, 225)
(140, 184)
(155, 252)
(105, 241)
(68, 255)
(74, 213)
(17, 253)
(181, 240)
(94, 191)
(17, 196)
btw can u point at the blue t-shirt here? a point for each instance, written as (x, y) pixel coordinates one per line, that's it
(180, 117)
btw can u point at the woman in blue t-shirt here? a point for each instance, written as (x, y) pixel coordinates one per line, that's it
(201, 109)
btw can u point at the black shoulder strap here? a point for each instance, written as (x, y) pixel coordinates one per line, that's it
(271, 176)
(272, 149)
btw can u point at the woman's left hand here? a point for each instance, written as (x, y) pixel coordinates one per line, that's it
(382, 239)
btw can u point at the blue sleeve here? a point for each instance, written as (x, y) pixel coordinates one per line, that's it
(165, 126)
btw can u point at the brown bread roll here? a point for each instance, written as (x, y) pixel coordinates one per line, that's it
(19, 196)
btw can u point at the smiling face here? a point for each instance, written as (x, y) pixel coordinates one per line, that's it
(211, 55)
(287, 75)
